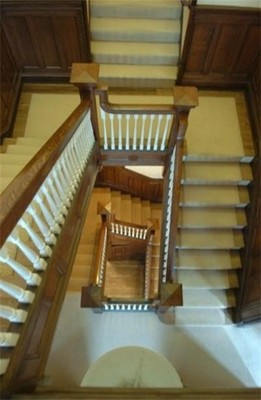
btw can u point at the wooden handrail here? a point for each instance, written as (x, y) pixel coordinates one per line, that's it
(115, 108)
(100, 254)
(16, 197)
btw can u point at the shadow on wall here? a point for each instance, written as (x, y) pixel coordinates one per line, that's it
(203, 356)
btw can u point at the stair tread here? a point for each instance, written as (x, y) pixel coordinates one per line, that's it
(126, 29)
(130, 9)
(208, 279)
(226, 173)
(199, 217)
(214, 195)
(135, 53)
(208, 259)
(132, 70)
(210, 239)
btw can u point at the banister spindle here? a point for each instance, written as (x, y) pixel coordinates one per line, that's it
(120, 131)
(37, 262)
(42, 247)
(30, 278)
(158, 130)
(144, 117)
(105, 134)
(166, 130)
(56, 196)
(135, 133)
(152, 117)
(54, 227)
(23, 296)
(12, 314)
(56, 212)
(48, 235)
(127, 142)
(111, 116)
(8, 339)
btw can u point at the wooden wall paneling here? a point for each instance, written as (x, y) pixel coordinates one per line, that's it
(221, 47)
(45, 36)
(10, 87)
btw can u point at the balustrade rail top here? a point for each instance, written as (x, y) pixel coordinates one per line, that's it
(16, 197)
(114, 108)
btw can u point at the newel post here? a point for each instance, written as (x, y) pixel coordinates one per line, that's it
(185, 98)
(85, 77)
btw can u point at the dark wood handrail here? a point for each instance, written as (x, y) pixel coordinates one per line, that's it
(99, 254)
(16, 197)
(114, 108)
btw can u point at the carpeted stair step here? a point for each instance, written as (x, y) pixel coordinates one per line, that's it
(148, 76)
(126, 208)
(200, 279)
(214, 217)
(214, 173)
(165, 9)
(133, 30)
(205, 298)
(135, 53)
(210, 239)
(136, 210)
(208, 259)
(214, 196)
(23, 149)
(116, 204)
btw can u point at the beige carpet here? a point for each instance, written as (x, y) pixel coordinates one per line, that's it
(47, 112)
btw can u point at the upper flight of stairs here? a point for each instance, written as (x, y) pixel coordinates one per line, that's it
(136, 45)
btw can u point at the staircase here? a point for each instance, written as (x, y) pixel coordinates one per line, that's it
(212, 210)
(136, 45)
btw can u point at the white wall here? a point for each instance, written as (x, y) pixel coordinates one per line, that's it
(227, 357)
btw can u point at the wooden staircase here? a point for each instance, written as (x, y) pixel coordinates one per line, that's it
(136, 45)
(211, 220)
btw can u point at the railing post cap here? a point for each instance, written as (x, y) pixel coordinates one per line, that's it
(84, 74)
(185, 96)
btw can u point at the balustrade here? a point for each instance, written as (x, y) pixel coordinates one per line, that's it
(37, 230)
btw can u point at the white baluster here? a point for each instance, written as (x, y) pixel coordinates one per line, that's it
(158, 130)
(105, 135)
(125, 230)
(43, 248)
(166, 130)
(127, 144)
(38, 263)
(117, 307)
(123, 307)
(8, 339)
(140, 307)
(145, 234)
(144, 117)
(129, 231)
(117, 229)
(12, 314)
(112, 228)
(128, 307)
(133, 232)
(134, 307)
(31, 278)
(44, 229)
(62, 185)
(23, 296)
(121, 229)
(152, 116)
(136, 116)
(120, 131)
(111, 116)
(57, 198)
(53, 207)
(106, 307)
(137, 233)
(54, 227)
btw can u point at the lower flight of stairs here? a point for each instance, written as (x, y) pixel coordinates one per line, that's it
(136, 45)
(209, 240)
